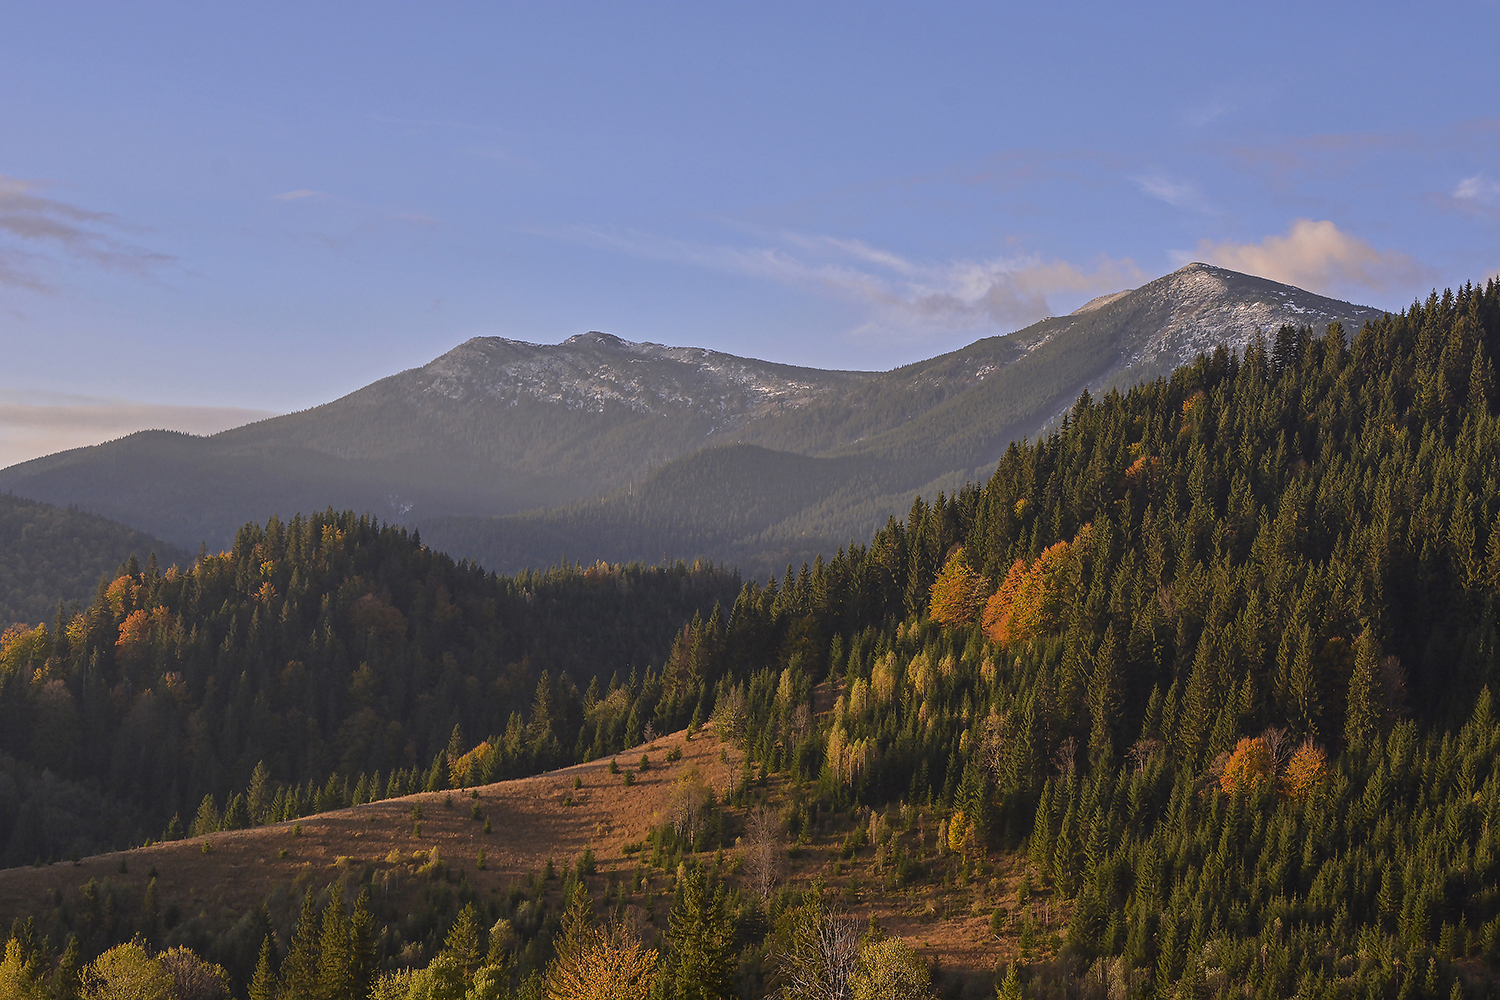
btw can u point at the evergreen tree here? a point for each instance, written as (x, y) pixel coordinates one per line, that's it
(335, 949)
(1363, 712)
(702, 938)
(263, 983)
(465, 940)
(301, 967)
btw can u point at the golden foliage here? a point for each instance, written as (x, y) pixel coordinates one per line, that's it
(20, 978)
(22, 647)
(848, 758)
(883, 678)
(958, 832)
(1304, 772)
(957, 596)
(139, 629)
(462, 769)
(1144, 471)
(121, 596)
(998, 610)
(1249, 768)
(609, 965)
(1029, 602)
(126, 972)
(890, 969)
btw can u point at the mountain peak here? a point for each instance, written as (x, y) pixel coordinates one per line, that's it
(595, 338)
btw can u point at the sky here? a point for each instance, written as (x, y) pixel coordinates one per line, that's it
(211, 212)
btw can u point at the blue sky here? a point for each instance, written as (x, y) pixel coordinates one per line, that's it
(265, 206)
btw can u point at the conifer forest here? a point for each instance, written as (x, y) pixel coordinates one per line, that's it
(1193, 697)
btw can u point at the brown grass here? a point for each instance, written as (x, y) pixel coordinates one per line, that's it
(530, 823)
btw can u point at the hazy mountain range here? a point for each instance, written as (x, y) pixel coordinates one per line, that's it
(522, 454)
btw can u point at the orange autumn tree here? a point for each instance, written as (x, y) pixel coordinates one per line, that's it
(957, 596)
(1304, 772)
(1029, 601)
(138, 631)
(1250, 768)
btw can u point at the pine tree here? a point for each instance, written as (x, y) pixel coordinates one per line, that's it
(263, 983)
(1106, 700)
(335, 955)
(207, 820)
(362, 934)
(65, 980)
(258, 794)
(299, 971)
(702, 938)
(1363, 713)
(465, 944)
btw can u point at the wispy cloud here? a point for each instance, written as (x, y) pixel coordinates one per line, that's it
(1177, 193)
(36, 231)
(1317, 256)
(34, 424)
(903, 295)
(297, 195)
(1477, 192)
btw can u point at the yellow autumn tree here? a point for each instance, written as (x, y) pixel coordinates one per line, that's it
(1250, 768)
(957, 596)
(23, 649)
(958, 832)
(602, 964)
(126, 972)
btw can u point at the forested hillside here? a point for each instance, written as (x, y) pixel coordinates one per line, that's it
(327, 647)
(50, 554)
(1210, 668)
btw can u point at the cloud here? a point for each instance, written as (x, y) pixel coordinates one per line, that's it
(1317, 256)
(35, 424)
(902, 295)
(1178, 194)
(297, 195)
(1477, 191)
(36, 231)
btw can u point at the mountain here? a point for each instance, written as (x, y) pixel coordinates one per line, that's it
(587, 435)
(1194, 697)
(50, 554)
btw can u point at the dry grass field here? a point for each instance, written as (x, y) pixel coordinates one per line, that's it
(217, 878)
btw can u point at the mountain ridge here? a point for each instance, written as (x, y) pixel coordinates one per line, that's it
(509, 430)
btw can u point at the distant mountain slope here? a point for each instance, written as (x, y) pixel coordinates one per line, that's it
(921, 429)
(496, 427)
(50, 554)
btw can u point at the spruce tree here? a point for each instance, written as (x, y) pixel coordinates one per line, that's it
(1362, 714)
(465, 941)
(362, 934)
(263, 983)
(299, 971)
(1106, 701)
(335, 954)
(702, 939)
